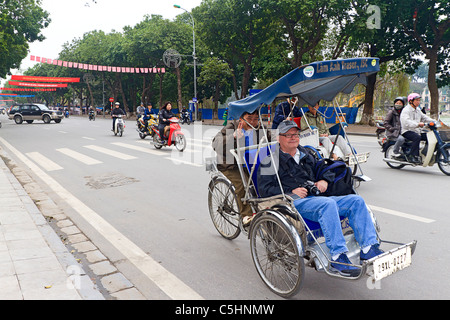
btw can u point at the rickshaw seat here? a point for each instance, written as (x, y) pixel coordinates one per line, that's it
(297, 121)
(335, 128)
(252, 162)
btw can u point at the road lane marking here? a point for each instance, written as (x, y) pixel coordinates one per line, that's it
(184, 162)
(79, 156)
(88, 138)
(401, 214)
(166, 281)
(44, 162)
(137, 148)
(109, 152)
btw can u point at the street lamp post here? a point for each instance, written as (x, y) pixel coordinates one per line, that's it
(195, 59)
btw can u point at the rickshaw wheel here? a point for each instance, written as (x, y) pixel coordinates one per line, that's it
(224, 208)
(276, 257)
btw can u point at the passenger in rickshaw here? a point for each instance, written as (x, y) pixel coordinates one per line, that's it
(286, 110)
(295, 168)
(245, 133)
(312, 118)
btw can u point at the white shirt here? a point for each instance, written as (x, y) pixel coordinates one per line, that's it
(411, 117)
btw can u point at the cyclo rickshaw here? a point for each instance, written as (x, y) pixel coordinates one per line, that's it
(282, 242)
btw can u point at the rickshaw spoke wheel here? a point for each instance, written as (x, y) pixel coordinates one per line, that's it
(224, 208)
(276, 257)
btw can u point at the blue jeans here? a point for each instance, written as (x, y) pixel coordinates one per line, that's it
(327, 210)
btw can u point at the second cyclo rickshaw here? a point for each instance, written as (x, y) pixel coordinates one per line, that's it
(282, 242)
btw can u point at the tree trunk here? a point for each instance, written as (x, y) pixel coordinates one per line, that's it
(432, 85)
(246, 79)
(160, 90)
(216, 98)
(367, 117)
(179, 104)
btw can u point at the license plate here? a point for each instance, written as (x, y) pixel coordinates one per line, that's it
(391, 263)
(360, 157)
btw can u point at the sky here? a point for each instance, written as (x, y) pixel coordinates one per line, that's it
(72, 18)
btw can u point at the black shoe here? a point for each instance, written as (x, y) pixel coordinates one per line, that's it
(417, 160)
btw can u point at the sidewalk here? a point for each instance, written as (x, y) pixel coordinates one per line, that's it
(34, 263)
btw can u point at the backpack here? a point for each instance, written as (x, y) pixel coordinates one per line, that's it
(342, 183)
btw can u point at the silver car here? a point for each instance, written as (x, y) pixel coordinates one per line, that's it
(34, 111)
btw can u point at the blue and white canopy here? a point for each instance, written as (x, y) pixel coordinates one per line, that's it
(310, 83)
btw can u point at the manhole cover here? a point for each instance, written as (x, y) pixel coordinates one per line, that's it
(108, 180)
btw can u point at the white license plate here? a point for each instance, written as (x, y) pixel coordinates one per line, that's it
(360, 157)
(391, 263)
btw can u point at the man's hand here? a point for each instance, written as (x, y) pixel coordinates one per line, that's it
(322, 185)
(301, 192)
(239, 133)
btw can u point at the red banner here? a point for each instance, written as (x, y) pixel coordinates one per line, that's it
(27, 89)
(45, 79)
(80, 65)
(39, 85)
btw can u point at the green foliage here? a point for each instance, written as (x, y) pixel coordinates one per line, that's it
(20, 23)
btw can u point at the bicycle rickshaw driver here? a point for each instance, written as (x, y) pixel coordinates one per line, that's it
(245, 133)
(296, 167)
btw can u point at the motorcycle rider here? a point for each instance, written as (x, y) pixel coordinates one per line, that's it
(412, 120)
(115, 112)
(147, 115)
(91, 112)
(140, 110)
(393, 126)
(164, 115)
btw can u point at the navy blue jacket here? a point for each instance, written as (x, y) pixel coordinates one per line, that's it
(282, 111)
(292, 175)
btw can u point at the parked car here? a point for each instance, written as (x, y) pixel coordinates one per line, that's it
(34, 111)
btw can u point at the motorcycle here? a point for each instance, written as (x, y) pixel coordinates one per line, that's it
(185, 117)
(435, 150)
(91, 115)
(380, 132)
(175, 137)
(144, 131)
(119, 125)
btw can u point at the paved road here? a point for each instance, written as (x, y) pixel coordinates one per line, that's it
(146, 209)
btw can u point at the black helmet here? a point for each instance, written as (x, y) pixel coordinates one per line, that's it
(402, 99)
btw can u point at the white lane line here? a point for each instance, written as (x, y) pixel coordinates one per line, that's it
(44, 162)
(401, 214)
(137, 148)
(79, 156)
(166, 281)
(176, 161)
(88, 138)
(109, 152)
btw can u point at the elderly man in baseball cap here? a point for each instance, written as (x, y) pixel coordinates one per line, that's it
(296, 169)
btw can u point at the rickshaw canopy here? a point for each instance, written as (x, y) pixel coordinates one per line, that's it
(310, 83)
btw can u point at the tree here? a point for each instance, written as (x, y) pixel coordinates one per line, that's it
(427, 22)
(20, 23)
(235, 31)
(215, 73)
